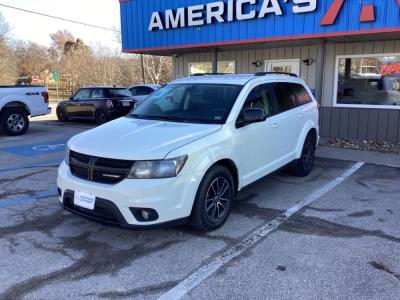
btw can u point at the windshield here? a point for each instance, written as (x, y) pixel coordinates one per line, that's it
(119, 93)
(195, 103)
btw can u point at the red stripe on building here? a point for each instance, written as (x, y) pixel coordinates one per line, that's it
(333, 12)
(367, 13)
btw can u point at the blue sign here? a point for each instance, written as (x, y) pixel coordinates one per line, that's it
(151, 26)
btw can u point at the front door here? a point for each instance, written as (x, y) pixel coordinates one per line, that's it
(286, 66)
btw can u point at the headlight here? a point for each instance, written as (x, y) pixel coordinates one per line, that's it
(153, 169)
(67, 156)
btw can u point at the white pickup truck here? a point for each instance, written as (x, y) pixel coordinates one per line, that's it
(17, 103)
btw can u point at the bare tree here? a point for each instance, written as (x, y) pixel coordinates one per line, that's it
(158, 68)
(32, 59)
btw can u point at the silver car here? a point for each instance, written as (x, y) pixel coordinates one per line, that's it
(141, 92)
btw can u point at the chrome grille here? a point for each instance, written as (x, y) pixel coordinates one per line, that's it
(99, 169)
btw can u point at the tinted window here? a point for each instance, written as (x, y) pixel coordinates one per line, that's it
(260, 97)
(141, 91)
(97, 93)
(82, 94)
(119, 93)
(196, 103)
(284, 96)
(302, 96)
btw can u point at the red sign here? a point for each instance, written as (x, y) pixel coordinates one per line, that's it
(389, 69)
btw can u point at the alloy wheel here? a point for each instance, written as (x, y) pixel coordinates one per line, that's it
(16, 122)
(217, 199)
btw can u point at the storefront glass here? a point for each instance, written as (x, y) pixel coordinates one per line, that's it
(369, 80)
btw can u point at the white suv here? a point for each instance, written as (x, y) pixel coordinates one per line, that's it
(189, 148)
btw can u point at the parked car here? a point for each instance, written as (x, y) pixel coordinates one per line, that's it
(188, 149)
(17, 103)
(141, 92)
(100, 104)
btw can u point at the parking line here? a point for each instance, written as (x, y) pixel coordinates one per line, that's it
(206, 271)
(17, 201)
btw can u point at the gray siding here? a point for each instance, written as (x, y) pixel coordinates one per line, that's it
(245, 58)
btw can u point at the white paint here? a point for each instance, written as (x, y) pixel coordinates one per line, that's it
(304, 6)
(156, 22)
(175, 19)
(48, 147)
(215, 11)
(240, 7)
(206, 271)
(269, 7)
(195, 15)
(220, 12)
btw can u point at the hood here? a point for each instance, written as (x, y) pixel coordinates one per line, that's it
(135, 139)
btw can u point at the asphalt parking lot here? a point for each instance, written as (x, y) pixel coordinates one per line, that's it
(334, 234)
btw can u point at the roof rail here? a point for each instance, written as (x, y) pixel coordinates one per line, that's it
(205, 74)
(275, 73)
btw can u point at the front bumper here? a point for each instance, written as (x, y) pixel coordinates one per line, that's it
(171, 198)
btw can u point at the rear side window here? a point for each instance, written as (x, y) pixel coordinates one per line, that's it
(97, 94)
(302, 96)
(284, 96)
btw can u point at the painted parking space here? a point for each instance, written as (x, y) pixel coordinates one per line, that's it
(37, 149)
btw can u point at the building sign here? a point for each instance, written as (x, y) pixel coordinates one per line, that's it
(151, 26)
(220, 12)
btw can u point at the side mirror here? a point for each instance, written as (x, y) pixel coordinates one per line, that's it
(71, 98)
(250, 116)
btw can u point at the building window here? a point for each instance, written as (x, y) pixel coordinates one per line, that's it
(371, 81)
(228, 67)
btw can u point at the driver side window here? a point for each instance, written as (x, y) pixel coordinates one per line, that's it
(260, 97)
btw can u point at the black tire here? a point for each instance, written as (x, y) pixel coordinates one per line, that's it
(62, 115)
(14, 121)
(101, 117)
(214, 199)
(303, 166)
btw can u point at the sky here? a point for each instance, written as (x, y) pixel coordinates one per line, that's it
(29, 27)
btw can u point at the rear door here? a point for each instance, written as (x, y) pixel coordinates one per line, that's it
(97, 99)
(288, 122)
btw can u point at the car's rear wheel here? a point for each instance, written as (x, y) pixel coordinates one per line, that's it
(214, 199)
(303, 166)
(101, 117)
(14, 121)
(62, 115)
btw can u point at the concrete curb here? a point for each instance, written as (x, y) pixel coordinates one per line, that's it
(391, 160)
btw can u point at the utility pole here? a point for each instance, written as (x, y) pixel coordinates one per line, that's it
(143, 74)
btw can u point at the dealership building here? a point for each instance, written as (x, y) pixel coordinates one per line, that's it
(348, 51)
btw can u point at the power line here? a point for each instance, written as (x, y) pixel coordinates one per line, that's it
(59, 18)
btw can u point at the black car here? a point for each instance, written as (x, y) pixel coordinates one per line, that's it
(100, 104)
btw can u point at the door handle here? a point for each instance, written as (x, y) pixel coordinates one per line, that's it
(275, 125)
(301, 115)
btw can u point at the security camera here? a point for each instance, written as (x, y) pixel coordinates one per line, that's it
(308, 61)
(257, 63)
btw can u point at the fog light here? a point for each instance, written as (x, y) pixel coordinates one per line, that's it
(144, 214)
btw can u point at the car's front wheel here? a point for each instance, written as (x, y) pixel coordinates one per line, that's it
(14, 121)
(214, 199)
(62, 115)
